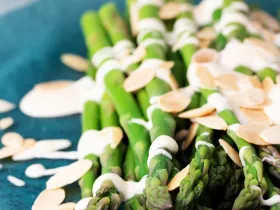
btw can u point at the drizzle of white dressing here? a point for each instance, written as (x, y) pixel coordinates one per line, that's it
(142, 34)
(68, 155)
(156, 153)
(83, 203)
(142, 3)
(238, 54)
(184, 25)
(188, 91)
(122, 47)
(16, 181)
(203, 143)
(37, 170)
(274, 94)
(151, 24)
(204, 10)
(242, 153)
(101, 55)
(184, 40)
(271, 201)
(218, 101)
(127, 188)
(234, 127)
(152, 41)
(6, 106)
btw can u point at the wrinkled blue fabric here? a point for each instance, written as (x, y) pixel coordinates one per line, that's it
(31, 42)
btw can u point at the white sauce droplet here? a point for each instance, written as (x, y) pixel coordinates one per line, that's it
(154, 24)
(272, 111)
(218, 101)
(16, 181)
(234, 127)
(204, 143)
(83, 203)
(241, 154)
(37, 170)
(6, 106)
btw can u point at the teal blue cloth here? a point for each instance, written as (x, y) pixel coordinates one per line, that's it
(31, 42)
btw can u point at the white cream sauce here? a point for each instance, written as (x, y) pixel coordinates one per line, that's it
(204, 143)
(153, 24)
(83, 203)
(16, 181)
(156, 153)
(66, 155)
(218, 101)
(37, 170)
(242, 153)
(101, 55)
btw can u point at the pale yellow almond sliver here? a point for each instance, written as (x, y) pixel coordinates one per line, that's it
(191, 136)
(201, 111)
(206, 78)
(6, 106)
(267, 84)
(213, 121)
(54, 85)
(114, 134)
(6, 152)
(170, 10)
(6, 123)
(271, 135)
(176, 180)
(203, 44)
(206, 33)
(232, 153)
(227, 82)
(66, 206)
(250, 133)
(138, 79)
(173, 102)
(255, 81)
(250, 97)
(75, 62)
(173, 82)
(12, 139)
(264, 45)
(167, 65)
(266, 19)
(49, 199)
(139, 54)
(256, 117)
(203, 56)
(278, 79)
(69, 174)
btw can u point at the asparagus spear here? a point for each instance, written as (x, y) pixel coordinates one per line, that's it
(128, 166)
(272, 190)
(270, 155)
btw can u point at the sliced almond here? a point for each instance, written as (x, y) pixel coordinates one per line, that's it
(205, 56)
(66, 206)
(256, 117)
(139, 54)
(250, 133)
(114, 134)
(191, 136)
(250, 97)
(266, 19)
(49, 199)
(138, 79)
(255, 81)
(12, 139)
(227, 82)
(6, 152)
(271, 135)
(206, 78)
(6, 123)
(263, 45)
(173, 102)
(278, 79)
(54, 85)
(167, 65)
(6, 106)
(27, 144)
(75, 62)
(267, 84)
(203, 44)
(213, 121)
(181, 135)
(176, 180)
(206, 33)
(69, 174)
(173, 82)
(201, 111)
(170, 10)
(232, 153)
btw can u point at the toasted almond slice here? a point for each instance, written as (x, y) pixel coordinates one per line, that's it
(232, 153)
(173, 101)
(278, 79)
(66, 206)
(190, 137)
(139, 54)
(227, 82)
(138, 79)
(75, 62)
(115, 134)
(266, 19)
(27, 144)
(250, 97)
(213, 121)
(271, 135)
(49, 199)
(204, 56)
(170, 10)
(206, 33)
(167, 65)
(206, 78)
(69, 174)
(181, 135)
(6, 106)
(203, 44)
(12, 139)
(176, 180)
(54, 85)
(267, 84)
(7, 152)
(173, 82)
(256, 117)
(201, 111)
(5, 123)
(255, 81)
(263, 45)
(250, 133)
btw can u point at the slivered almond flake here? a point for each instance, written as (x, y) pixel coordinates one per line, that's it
(263, 45)
(181, 135)
(266, 19)
(227, 82)
(66, 206)
(255, 81)
(203, 44)
(250, 133)
(204, 56)
(201, 111)
(139, 54)
(213, 121)
(256, 117)
(49, 199)
(12, 139)
(278, 79)
(16, 181)
(205, 77)
(115, 134)
(138, 79)
(190, 137)
(206, 33)
(27, 144)
(176, 180)
(250, 97)
(7, 152)
(232, 153)
(170, 10)
(173, 82)
(54, 85)
(69, 174)
(6, 106)
(271, 135)
(167, 65)
(75, 62)
(5, 123)
(267, 84)
(173, 102)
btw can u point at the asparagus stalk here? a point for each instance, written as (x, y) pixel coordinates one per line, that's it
(272, 190)
(128, 166)
(271, 156)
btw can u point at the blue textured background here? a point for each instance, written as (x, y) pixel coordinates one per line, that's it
(31, 42)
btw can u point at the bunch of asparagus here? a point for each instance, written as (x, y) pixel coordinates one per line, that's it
(159, 74)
